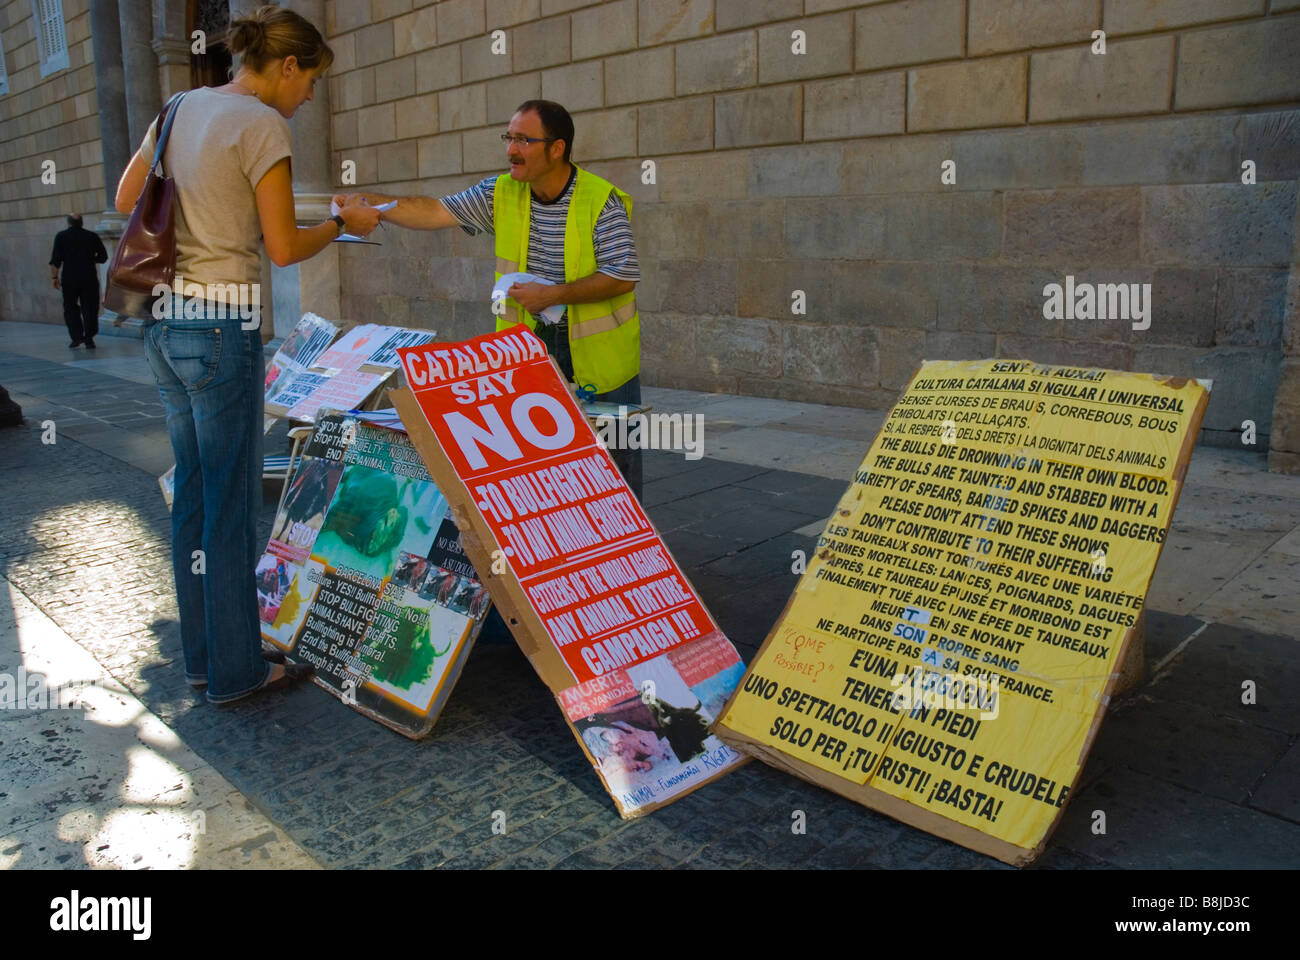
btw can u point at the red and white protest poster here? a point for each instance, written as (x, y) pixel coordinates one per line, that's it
(593, 596)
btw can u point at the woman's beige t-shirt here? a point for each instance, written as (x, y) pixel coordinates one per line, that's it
(221, 145)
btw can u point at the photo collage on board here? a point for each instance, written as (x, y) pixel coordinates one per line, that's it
(364, 578)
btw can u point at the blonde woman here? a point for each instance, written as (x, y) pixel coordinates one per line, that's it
(229, 153)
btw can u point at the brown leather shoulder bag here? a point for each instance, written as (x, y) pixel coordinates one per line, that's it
(146, 254)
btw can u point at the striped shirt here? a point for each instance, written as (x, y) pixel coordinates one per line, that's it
(614, 247)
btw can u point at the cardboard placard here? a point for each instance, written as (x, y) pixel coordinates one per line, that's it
(310, 337)
(949, 652)
(593, 597)
(364, 578)
(346, 374)
(372, 345)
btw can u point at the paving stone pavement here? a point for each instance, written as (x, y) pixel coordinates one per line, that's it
(92, 779)
(1186, 774)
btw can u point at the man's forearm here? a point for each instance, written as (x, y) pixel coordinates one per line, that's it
(414, 213)
(592, 289)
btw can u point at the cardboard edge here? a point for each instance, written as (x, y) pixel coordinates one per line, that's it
(720, 724)
(794, 592)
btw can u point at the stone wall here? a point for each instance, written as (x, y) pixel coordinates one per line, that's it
(759, 172)
(776, 171)
(44, 119)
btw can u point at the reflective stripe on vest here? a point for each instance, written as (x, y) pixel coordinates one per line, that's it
(609, 321)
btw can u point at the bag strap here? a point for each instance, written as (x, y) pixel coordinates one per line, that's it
(164, 128)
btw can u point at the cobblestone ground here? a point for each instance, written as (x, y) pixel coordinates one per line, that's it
(1186, 774)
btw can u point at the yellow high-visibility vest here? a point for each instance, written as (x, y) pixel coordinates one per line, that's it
(604, 337)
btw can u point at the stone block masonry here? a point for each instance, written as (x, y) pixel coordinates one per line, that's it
(921, 169)
(925, 167)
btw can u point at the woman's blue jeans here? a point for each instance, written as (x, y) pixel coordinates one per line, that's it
(209, 373)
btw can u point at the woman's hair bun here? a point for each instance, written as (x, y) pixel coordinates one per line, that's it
(246, 36)
(273, 33)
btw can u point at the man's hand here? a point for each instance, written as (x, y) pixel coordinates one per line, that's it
(533, 297)
(357, 212)
(360, 218)
(55, 278)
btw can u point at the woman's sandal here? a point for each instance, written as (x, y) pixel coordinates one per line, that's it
(270, 656)
(294, 673)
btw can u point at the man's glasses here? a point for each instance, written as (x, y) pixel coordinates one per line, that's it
(522, 141)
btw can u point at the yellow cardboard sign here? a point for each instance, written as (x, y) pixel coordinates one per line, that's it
(951, 643)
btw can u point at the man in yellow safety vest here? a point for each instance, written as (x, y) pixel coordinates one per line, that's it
(554, 221)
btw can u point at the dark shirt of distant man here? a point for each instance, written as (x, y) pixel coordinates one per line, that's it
(77, 251)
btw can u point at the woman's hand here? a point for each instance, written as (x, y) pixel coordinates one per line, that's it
(285, 241)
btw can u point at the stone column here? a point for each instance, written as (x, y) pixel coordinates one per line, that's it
(311, 124)
(140, 69)
(127, 84)
(1284, 441)
(288, 292)
(242, 8)
(315, 282)
(171, 45)
(115, 144)
(173, 65)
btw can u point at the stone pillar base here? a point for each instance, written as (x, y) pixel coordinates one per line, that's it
(1284, 442)
(110, 227)
(1279, 461)
(111, 325)
(317, 277)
